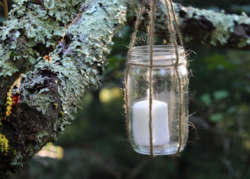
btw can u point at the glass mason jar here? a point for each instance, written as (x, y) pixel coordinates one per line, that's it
(169, 127)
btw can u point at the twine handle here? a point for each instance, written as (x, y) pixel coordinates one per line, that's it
(137, 24)
(174, 42)
(131, 45)
(5, 5)
(151, 43)
(176, 24)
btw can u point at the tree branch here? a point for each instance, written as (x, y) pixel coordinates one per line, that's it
(51, 93)
(33, 30)
(203, 27)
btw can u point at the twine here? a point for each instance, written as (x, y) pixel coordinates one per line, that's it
(5, 5)
(138, 21)
(137, 24)
(176, 24)
(173, 39)
(174, 42)
(151, 43)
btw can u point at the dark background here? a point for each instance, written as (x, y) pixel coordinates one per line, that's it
(96, 146)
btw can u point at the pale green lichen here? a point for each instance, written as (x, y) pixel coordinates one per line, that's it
(38, 22)
(223, 24)
(28, 26)
(41, 101)
(17, 160)
(78, 69)
(41, 134)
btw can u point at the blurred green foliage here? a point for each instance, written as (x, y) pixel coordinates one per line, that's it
(96, 144)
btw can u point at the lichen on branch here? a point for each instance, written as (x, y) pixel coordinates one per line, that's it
(32, 30)
(202, 27)
(50, 94)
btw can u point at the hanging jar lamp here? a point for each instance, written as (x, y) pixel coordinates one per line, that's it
(156, 95)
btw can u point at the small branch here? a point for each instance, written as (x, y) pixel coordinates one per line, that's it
(6, 11)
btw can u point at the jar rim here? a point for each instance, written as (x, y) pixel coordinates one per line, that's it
(161, 54)
(157, 46)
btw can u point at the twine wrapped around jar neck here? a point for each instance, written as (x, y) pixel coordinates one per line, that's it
(171, 17)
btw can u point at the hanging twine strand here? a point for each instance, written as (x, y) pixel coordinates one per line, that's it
(151, 43)
(127, 99)
(137, 24)
(174, 42)
(5, 5)
(176, 24)
(138, 21)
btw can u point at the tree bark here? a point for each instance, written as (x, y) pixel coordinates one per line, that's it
(49, 94)
(35, 111)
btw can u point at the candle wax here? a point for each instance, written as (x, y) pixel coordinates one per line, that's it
(140, 124)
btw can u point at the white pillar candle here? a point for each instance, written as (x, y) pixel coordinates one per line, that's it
(140, 124)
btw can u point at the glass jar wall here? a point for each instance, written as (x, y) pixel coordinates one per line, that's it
(169, 100)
